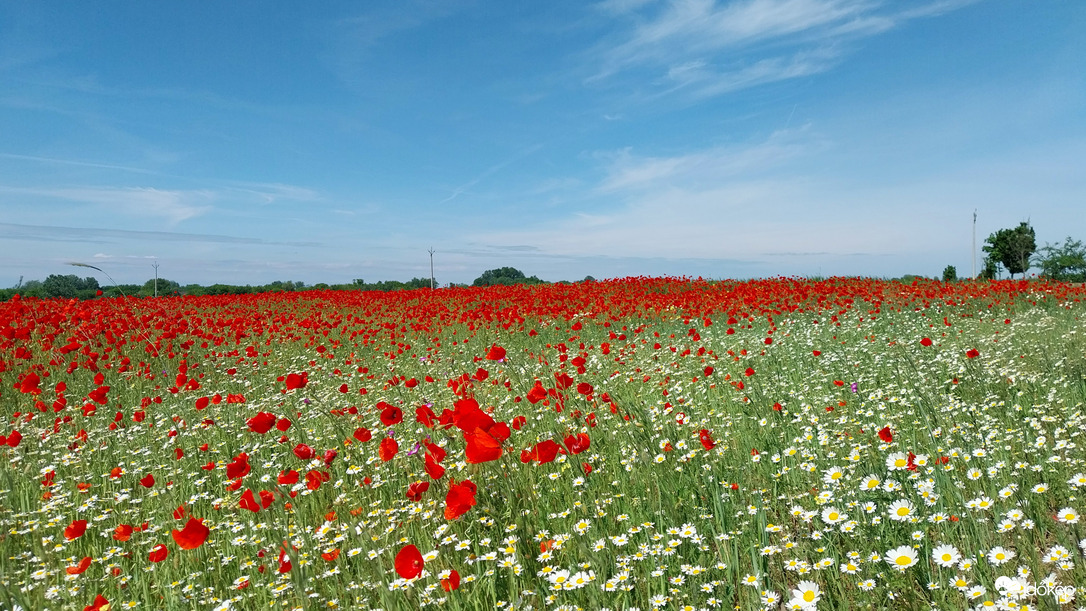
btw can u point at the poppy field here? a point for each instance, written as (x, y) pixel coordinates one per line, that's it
(629, 444)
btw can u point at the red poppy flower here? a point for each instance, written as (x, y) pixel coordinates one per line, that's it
(416, 490)
(577, 444)
(586, 467)
(425, 416)
(451, 582)
(29, 384)
(885, 435)
(434, 470)
(409, 562)
(75, 530)
(749, 372)
(239, 467)
(330, 556)
(362, 434)
(434, 450)
(314, 479)
(122, 532)
(537, 393)
(180, 513)
(972, 353)
(266, 498)
(518, 422)
(563, 380)
(303, 451)
(496, 353)
(481, 447)
(546, 451)
(282, 424)
(158, 553)
(925, 342)
(460, 498)
(388, 449)
(297, 380)
(248, 502)
(100, 604)
(13, 439)
(391, 415)
(83, 565)
(288, 477)
(329, 456)
(261, 423)
(706, 439)
(192, 535)
(468, 416)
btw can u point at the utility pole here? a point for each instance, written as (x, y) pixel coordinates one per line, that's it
(974, 243)
(431, 251)
(155, 265)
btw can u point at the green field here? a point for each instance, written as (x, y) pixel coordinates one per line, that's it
(870, 445)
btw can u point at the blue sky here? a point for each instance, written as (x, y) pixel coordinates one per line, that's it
(247, 142)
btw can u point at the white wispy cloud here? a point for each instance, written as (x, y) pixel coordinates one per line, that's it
(704, 48)
(270, 192)
(172, 205)
(626, 171)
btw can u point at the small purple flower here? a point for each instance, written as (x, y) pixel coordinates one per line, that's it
(854, 387)
(306, 401)
(415, 450)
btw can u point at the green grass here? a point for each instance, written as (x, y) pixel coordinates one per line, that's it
(658, 522)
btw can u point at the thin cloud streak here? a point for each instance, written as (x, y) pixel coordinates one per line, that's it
(53, 233)
(173, 205)
(703, 48)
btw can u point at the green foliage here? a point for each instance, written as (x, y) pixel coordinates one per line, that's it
(504, 276)
(950, 274)
(1012, 247)
(990, 269)
(69, 287)
(162, 287)
(1066, 262)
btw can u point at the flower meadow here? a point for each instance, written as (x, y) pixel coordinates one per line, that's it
(630, 444)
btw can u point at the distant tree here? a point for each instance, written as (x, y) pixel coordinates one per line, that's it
(1012, 247)
(502, 276)
(950, 274)
(588, 279)
(69, 286)
(989, 270)
(1065, 262)
(165, 287)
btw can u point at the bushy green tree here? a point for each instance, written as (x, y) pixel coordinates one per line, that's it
(1012, 247)
(165, 287)
(70, 286)
(1066, 262)
(505, 276)
(950, 274)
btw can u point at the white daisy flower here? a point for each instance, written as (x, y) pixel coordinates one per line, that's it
(999, 555)
(946, 555)
(901, 510)
(901, 557)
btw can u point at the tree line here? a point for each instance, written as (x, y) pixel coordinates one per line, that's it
(1015, 250)
(70, 286)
